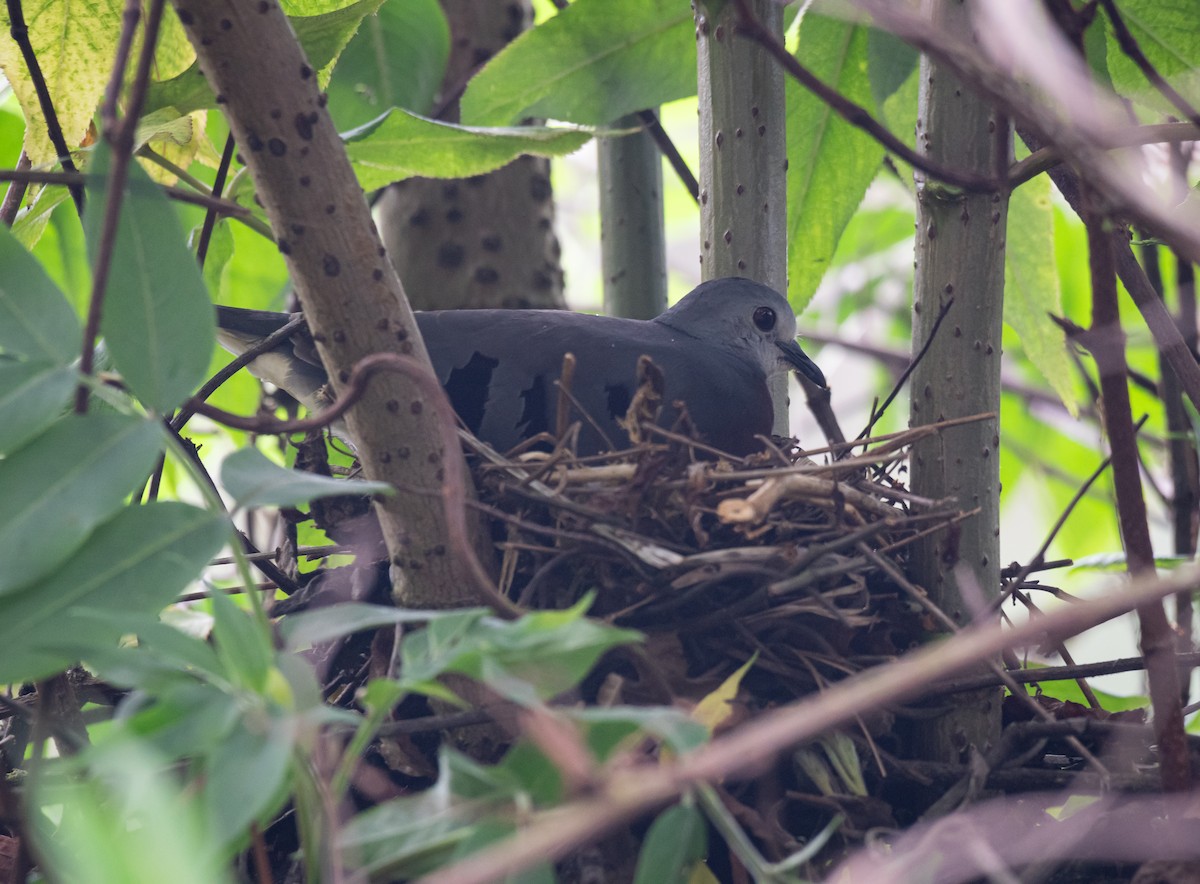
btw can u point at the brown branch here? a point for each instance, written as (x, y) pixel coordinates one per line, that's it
(210, 217)
(19, 31)
(121, 136)
(1106, 342)
(15, 193)
(667, 148)
(877, 413)
(244, 358)
(1129, 45)
(203, 200)
(633, 790)
(454, 482)
(1057, 673)
(854, 114)
(1046, 158)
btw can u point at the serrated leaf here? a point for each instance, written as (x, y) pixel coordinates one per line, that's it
(32, 396)
(158, 321)
(36, 321)
(74, 44)
(830, 162)
(56, 491)
(677, 840)
(138, 561)
(400, 145)
(1031, 290)
(1166, 33)
(593, 62)
(253, 480)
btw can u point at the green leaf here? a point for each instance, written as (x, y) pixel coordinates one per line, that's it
(830, 162)
(136, 562)
(397, 59)
(254, 481)
(677, 840)
(1031, 289)
(74, 44)
(1166, 32)
(57, 489)
(407, 837)
(492, 831)
(400, 145)
(158, 320)
(323, 33)
(891, 63)
(608, 728)
(540, 655)
(593, 62)
(245, 777)
(127, 808)
(220, 253)
(323, 624)
(35, 319)
(32, 396)
(242, 647)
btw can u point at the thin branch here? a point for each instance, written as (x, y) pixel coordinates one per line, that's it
(1129, 45)
(210, 217)
(120, 135)
(667, 147)
(900, 382)
(1046, 158)
(20, 34)
(15, 193)
(633, 790)
(453, 488)
(203, 200)
(1106, 342)
(243, 359)
(854, 114)
(1058, 673)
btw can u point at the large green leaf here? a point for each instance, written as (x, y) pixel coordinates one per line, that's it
(35, 319)
(158, 320)
(1167, 34)
(830, 162)
(397, 59)
(136, 562)
(595, 61)
(400, 145)
(127, 808)
(74, 44)
(322, 28)
(56, 489)
(1031, 290)
(32, 396)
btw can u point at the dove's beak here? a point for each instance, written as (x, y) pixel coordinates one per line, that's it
(799, 360)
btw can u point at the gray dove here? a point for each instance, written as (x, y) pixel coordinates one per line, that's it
(715, 348)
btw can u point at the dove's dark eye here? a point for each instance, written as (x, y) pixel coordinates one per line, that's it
(764, 318)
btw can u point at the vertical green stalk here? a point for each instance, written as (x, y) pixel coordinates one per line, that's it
(743, 161)
(632, 242)
(960, 258)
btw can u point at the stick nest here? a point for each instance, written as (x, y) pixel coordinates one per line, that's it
(717, 559)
